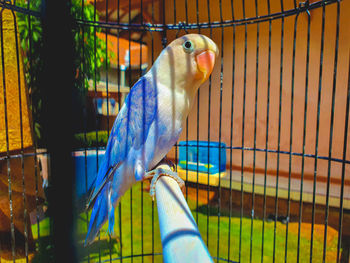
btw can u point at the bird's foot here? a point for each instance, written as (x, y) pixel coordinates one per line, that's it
(166, 161)
(157, 173)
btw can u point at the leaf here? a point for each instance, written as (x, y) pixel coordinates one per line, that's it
(37, 129)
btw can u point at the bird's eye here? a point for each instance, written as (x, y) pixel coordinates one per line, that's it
(188, 46)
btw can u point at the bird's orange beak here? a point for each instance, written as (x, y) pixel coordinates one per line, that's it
(205, 62)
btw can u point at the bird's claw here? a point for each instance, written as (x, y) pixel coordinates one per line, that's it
(157, 173)
(169, 163)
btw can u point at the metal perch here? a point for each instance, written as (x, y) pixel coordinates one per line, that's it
(179, 233)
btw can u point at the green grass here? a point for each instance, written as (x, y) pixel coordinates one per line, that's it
(106, 247)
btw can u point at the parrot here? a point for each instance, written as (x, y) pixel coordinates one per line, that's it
(149, 124)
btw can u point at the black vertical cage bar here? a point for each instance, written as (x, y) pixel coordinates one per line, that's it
(220, 129)
(95, 92)
(13, 241)
(186, 139)
(152, 60)
(126, 148)
(30, 61)
(243, 129)
(82, 56)
(267, 131)
(279, 134)
(107, 64)
(331, 132)
(319, 94)
(174, 2)
(21, 136)
(95, 104)
(143, 123)
(255, 124)
(186, 186)
(186, 136)
(231, 128)
(291, 132)
(186, 11)
(57, 127)
(119, 107)
(198, 109)
(164, 27)
(346, 137)
(7, 135)
(304, 135)
(175, 21)
(36, 172)
(86, 175)
(107, 67)
(164, 34)
(295, 4)
(208, 149)
(131, 190)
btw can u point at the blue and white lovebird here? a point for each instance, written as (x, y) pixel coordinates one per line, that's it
(149, 123)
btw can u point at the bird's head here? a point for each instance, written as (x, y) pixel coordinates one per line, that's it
(187, 61)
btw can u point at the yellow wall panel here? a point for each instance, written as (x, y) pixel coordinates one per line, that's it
(17, 110)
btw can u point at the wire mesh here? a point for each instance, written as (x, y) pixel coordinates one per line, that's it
(278, 98)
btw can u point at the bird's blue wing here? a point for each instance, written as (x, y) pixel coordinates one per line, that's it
(130, 130)
(135, 119)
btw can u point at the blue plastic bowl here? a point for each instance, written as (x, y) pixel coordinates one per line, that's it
(207, 157)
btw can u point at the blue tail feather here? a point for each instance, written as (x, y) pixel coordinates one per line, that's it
(98, 216)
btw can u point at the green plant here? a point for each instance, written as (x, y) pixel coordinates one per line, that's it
(30, 32)
(90, 57)
(90, 50)
(90, 139)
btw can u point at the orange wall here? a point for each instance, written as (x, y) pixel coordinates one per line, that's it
(16, 93)
(299, 84)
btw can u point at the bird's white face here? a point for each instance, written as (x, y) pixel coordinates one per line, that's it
(187, 62)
